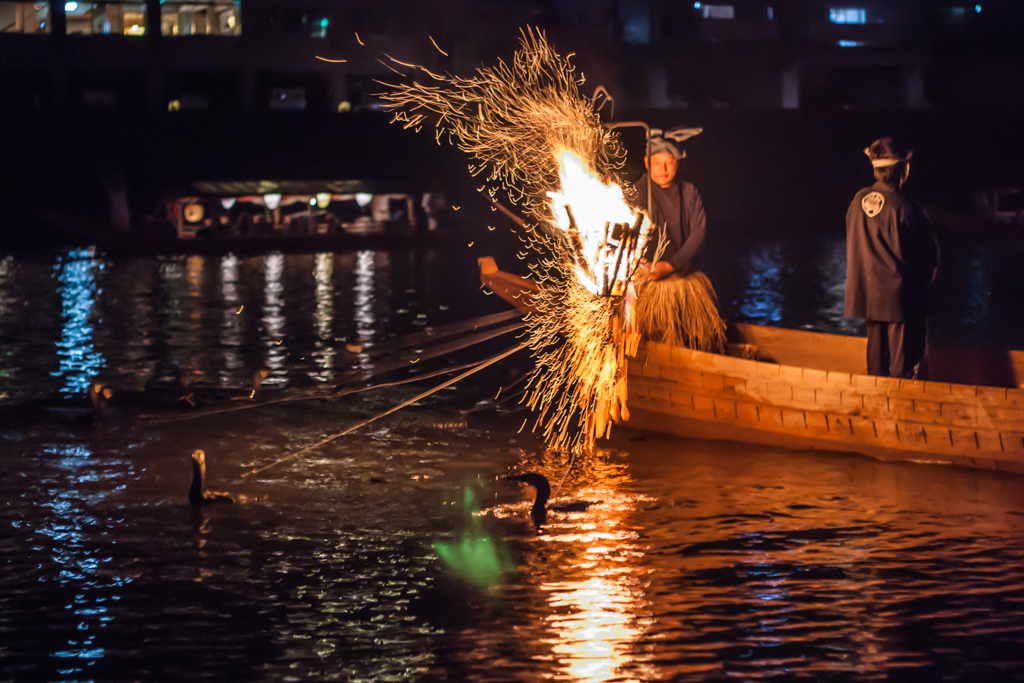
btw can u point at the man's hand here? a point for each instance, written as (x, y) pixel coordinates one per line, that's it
(661, 269)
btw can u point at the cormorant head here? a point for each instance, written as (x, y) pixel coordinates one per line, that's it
(539, 510)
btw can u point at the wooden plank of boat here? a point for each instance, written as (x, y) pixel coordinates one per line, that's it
(704, 395)
(808, 390)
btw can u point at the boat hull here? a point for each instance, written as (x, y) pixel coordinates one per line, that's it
(801, 389)
(702, 395)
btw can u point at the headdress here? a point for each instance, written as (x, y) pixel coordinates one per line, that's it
(662, 141)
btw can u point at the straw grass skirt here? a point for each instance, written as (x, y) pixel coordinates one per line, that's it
(680, 311)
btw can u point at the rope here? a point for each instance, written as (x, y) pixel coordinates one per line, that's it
(567, 469)
(305, 397)
(490, 361)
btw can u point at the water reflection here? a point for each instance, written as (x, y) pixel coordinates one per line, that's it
(72, 488)
(184, 286)
(323, 318)
(231, 339)
(589, 568)
(363, 294)
(363, 300)
(762, 299)
(274, 319)
(978, 295)
(78, 358)
(7, 295)
(831, 276)
(8, 303)
(600, 614)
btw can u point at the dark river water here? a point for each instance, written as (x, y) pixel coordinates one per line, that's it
(697, 561)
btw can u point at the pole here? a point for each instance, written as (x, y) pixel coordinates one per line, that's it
(637, 124)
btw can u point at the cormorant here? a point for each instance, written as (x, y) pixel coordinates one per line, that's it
(197, 493)
(539, 511)
(99, 394)
(258, 376)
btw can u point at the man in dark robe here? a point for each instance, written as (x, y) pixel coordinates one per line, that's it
(677, 209)
(892, 256)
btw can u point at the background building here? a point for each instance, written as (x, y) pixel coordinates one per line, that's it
(160, 93)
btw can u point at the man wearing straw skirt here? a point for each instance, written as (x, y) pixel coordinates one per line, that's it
(676, 208)
(675, 304)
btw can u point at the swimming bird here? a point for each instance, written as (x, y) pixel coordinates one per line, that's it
(183, 381)
(539, 511)
(99, 394)
(258, 376)
(197, 493)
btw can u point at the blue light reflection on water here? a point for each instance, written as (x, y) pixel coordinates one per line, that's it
(74, 487)
(76, 352)
(762, 300)
(977, 309)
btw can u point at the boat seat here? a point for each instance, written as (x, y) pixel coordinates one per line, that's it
(748, 351)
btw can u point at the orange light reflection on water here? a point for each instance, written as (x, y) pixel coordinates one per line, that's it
(587, 566)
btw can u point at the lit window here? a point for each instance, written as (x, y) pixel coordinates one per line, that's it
(218, 18)
(105, 18)
(24, 17)
(718, 11)
(847, 15)
(850, 43)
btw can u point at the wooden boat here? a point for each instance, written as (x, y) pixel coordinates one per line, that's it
(803, 389)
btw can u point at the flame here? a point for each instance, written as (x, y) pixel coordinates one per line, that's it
(594, 205)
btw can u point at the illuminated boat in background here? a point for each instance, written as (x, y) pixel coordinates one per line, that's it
(257, 217)
(800, 389)
(240, 209)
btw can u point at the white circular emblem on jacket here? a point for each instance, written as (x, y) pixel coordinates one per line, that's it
(872, 203)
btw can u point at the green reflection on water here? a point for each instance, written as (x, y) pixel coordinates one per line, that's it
(476, 557)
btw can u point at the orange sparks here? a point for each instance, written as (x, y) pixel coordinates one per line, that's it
(437, 46)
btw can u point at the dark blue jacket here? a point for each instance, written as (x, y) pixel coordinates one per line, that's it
(891, 256)
(679, 211)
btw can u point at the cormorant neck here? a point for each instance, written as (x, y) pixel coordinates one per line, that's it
(195, 492)
(542, 498)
